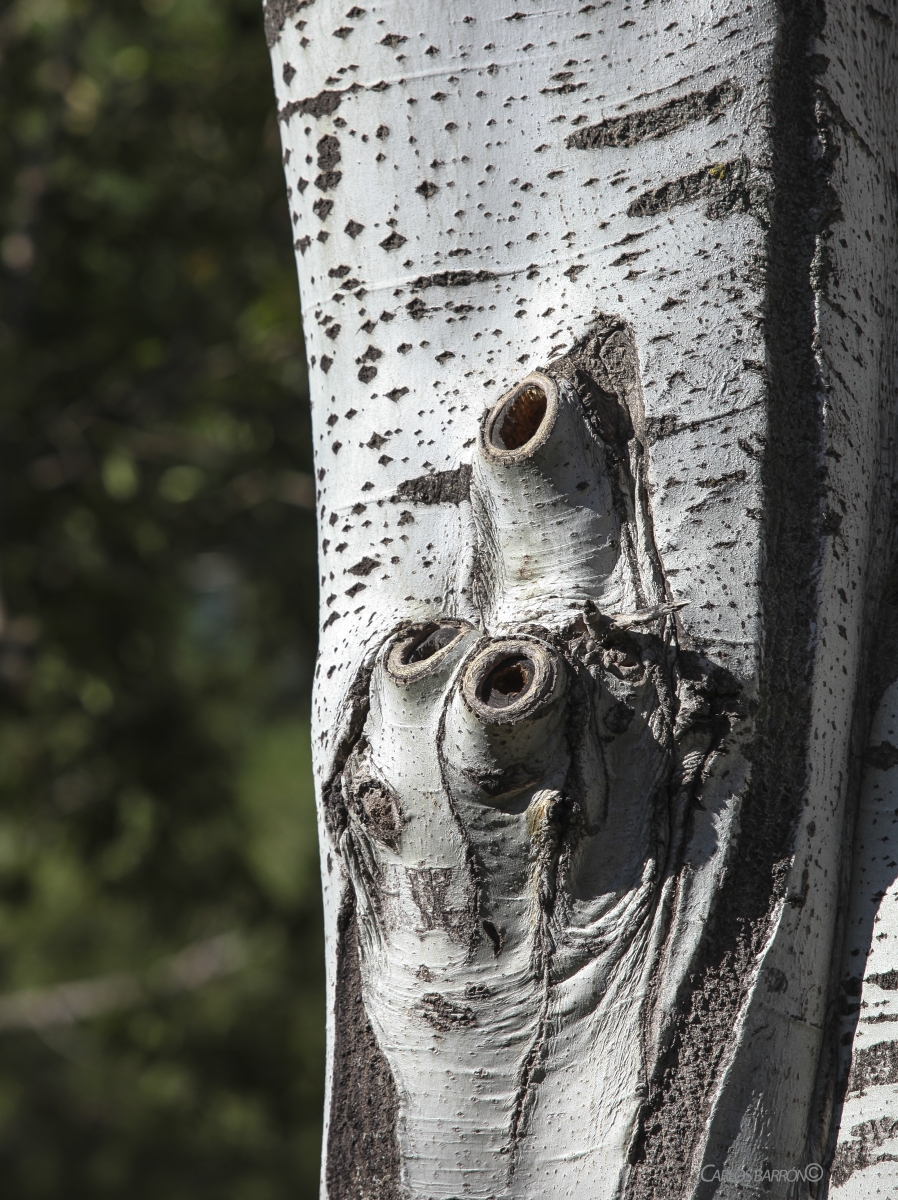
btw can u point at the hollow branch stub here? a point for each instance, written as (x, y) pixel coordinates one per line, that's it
(521, 421)
(421, 649)
(510, 681)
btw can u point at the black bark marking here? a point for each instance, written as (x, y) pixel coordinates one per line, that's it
(443, 1015)
(860, 1152)
(442, 487)
(884, 756)
(873, 1066)
(430, 886)
(726, 184)
(322, 105)
(887, 980)
(394, 241)
(656, 122)
(363, 1146)
(277, 12)
(364, 567)
(322, 209)
(328, 149)
(353, 229)
(426, 188)
(453, 279)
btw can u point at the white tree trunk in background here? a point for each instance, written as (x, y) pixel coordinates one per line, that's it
(599, 302)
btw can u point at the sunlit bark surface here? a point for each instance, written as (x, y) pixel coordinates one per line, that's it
(599, 304)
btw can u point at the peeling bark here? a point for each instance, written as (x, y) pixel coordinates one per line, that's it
(599, 306)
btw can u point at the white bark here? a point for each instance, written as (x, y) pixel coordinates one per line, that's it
(598, 302)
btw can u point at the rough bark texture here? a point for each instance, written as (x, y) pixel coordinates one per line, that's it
(599, 303)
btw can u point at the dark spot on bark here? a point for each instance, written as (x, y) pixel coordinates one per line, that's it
(366, 374)
(327, 180)
(339, 272)
(444, 357)
(416, 309)
(500, 781)
(326, 363)
(364, 567)
(376, 441)
(322, 208)
(443, 1015)
(453, 279)
(322, 105)
(863, 1150)
(397, 393)
(276, 13)
(573, 271)
(328, 149)
(343, 32)
(888, 980)
(442, 487)
(726, 184)
(393, 40)
(429, 887)
(288, 73)
(302, 244)
(656, 122)
(776, 980)
(884, 756)
(372, 354)
(874, 1066)
(355, 12)
(563, 89)
(363, 1147)
(495, 937)
(334, 331)
(353, 229)
(394, 241)
(426, 189)
(619, 717)
(382, 132)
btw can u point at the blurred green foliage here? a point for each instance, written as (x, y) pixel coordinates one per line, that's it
(159, 596)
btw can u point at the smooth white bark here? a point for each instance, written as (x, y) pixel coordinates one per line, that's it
(596, 953)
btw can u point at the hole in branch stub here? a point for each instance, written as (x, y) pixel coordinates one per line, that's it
(435, 638)
(523, 417)
(507, 682)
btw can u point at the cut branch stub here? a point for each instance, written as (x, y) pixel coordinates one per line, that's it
(549, 529)
(522, 421)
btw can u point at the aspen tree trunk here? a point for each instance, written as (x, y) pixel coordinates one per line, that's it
(599, 301)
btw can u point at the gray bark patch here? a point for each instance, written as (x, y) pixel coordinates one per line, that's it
(656, 122)
(362, 1145)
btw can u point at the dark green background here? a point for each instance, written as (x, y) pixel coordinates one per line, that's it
(159, 594)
